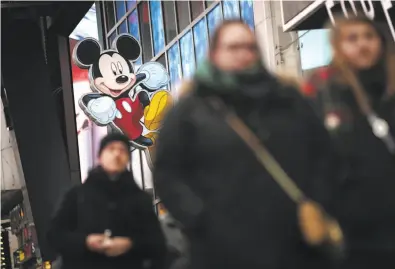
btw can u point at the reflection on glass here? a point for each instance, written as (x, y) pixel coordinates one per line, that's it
(209, 3)
(133, 21)
(121, 9)
(247, 12)
(123, 28)
(214, 18)
(157, 26)
(173, 56)
(197, 7)
(130, 4)
(316, 50)
(111, 38)
(182, 15)
(110, 12)
(169, 16)
(187, 55)
(162, 60)
(145, 31)
(201, 40)
(231, 9)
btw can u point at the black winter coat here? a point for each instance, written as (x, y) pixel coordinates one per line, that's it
(101, 204)
(233, 212)
(366, 203)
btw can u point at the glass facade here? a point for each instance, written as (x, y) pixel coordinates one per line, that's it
(158, 34)
(200, 37)
(178, 31)
(231, 9)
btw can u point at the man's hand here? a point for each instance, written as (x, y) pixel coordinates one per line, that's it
(94, 242)
(117, 246)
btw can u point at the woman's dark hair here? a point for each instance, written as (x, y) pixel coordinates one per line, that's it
(218, 31)
(347, 75)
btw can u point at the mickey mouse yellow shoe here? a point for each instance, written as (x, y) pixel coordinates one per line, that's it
(160, 103)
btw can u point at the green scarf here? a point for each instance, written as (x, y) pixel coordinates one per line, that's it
(228, 82)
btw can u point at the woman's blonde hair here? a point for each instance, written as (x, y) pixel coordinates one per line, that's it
(347, 75)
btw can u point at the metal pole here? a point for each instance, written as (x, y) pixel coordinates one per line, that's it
(142, 169)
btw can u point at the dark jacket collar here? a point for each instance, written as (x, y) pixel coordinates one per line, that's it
(98, 178)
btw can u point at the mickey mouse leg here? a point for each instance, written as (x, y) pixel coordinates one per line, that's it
(144, 141)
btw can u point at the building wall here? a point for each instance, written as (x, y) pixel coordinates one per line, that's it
(280, 50)
(8, 169)
(11, 166)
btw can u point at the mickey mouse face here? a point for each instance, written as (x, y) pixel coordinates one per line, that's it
(116, 74)
(111, 71)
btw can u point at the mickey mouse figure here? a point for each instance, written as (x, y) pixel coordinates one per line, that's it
(121, 96)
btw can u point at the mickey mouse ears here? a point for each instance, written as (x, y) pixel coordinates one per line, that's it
(87, 51)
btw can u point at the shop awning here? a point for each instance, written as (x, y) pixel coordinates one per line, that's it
(9, 200)
(308, 15)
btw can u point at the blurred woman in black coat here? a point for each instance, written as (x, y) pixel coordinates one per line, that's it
(234, 213)
(359, 83)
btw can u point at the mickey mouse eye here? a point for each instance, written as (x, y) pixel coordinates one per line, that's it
(114, 68)
(120, 68)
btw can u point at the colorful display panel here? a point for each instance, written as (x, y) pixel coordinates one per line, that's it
(174, 67)
(231, 9)
(214, 18)
(158, 32)
(247, 12)
(187, 55)
(201, 40)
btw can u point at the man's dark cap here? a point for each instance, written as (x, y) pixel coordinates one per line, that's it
(113, 137)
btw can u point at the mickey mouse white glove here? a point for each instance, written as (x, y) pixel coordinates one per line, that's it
(102, 110)
(156, 75)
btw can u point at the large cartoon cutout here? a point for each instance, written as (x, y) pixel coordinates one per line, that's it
(131, 101)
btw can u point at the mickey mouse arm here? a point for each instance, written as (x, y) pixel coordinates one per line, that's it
(88, 97)
(140, 77)
(100, 108)
(144, 98)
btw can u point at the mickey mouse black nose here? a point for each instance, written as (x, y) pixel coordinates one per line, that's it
(121, 79)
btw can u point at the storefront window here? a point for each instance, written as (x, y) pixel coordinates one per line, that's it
(201, 40)
(187, 55)
(121, 9)
(145, 31)
(197, 8)
(162, 60)
(123, 28)
(157, 26)
(133, 21)
(169, 16)
(315, 49)
(110, 13)
(182, 15)
(247, 12)
(174, 66)
(111, 38)
(214, 19)
(231, 9)
(130, 4)
(209, 3)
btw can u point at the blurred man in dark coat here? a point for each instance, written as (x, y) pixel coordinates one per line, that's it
(108, 222)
